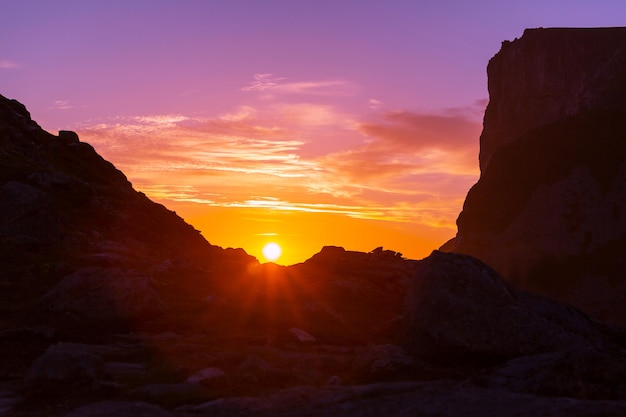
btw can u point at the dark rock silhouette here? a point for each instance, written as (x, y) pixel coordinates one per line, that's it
(459, 310)
(111, 304)
(549, 210)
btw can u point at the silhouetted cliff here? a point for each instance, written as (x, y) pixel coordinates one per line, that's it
(549, 210)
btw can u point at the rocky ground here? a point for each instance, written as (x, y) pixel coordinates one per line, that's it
(332, 336)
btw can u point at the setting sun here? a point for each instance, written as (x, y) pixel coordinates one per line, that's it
(272, 251)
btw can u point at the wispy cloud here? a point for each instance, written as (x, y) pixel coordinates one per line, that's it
(402, 166)
(374, 104)
(61, 105)
(268, 83)
(7, 64)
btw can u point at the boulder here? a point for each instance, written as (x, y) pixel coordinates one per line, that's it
(383, 362)
(68, 136)
(258, 372)
(118, 409)
(107, 294)
(586, 374)
(65, 364)
(460, 310)
(301, 337)
(213, 378)
(174, 394)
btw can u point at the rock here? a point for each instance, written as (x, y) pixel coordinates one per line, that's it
(43, 332)
(212, 378)
(105, 294)
(68, 136)
(64, 364)
(8, 399)
(125, 371)
(261, 374)
(549, 210)
(172, 394)
(460, 310)
(585, 374)
(432, 399)
(547, 75)
(383, 362)
(26, 211)
(118, 409)
(301, 337)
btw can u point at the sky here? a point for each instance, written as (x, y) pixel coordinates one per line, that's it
(305, 123)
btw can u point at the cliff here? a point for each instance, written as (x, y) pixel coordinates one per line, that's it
(549, 209)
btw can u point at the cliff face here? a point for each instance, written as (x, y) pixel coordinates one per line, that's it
(547, 75)
(549, 210)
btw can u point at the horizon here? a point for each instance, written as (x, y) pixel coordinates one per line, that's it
(353, 125)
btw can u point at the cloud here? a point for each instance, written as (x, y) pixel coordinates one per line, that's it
(423, 164)
(401, 167)
(374, 104)
(405, 143)
(6, 64)
(278, 85)
(61, 105)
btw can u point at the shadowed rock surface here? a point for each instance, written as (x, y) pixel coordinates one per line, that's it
(111, 304)
(549, 210)
(460, 310)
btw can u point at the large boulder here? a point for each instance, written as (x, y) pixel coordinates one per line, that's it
(63, 365)
(107, 294)
(459, 309)
(587, 374)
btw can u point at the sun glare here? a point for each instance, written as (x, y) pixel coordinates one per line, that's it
(272, 251)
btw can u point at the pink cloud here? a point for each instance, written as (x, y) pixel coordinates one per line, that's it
(403, 167)
(6, 64)
(271, 84)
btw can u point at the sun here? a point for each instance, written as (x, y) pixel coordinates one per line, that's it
(272, 251)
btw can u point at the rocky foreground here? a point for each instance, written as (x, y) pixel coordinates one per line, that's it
(111, 305)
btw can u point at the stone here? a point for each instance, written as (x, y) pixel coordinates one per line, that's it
(460, 310)
(427, 399)
(301, 337)
(585, 373)
(64, 364)
(108, 294)
(258, 372)
(118, 409)
(68, 136)
(213, 378)
(173, 394)
(383, 362)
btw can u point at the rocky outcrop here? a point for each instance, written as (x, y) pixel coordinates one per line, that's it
(105, 295)
(58, 193)
(68, 215)
(549, 210)
(63, 365)
(461, 311)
